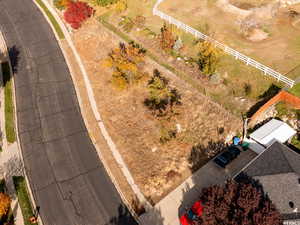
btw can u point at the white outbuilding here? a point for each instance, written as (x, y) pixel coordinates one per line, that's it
(274, 130)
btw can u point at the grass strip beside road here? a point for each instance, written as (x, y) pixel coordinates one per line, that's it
(8, 104)
(23, 198)
(52, 19)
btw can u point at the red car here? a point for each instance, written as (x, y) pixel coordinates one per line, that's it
(192, 215)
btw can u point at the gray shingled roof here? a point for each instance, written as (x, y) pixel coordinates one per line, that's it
(276, 159)
(278, 170)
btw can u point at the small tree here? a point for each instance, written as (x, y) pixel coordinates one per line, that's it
(4, 204)
(161, 98)
(77, 13)
(238, 203)
(127, 64)
(167, 40)
(209, 57)
(61, 4)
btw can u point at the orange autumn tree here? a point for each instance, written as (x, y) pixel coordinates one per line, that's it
(167, 40)
(4, 204)
(127, 64)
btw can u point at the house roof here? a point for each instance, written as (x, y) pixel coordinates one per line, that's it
(278, 170)
(276, 159)
(274, 130)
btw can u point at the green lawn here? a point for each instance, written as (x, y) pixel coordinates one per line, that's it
(23, 198)
(295, 90)
(52, 19)
(8, 104)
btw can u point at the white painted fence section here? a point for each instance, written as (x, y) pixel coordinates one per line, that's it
(3, 49)
(265, 69)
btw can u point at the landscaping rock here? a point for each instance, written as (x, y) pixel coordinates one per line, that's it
(215, 78)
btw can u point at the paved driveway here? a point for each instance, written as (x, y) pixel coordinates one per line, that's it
(168, 210)
(68, 180)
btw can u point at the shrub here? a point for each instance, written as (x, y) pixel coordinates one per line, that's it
(104, 2)
(61, 4)
(121, 6)
(166, 134)
(167, 40)
(4, 204)
(162, 98)
(77, 13)
(247, 89)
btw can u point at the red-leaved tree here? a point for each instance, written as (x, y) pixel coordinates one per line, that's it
(77, 12)
(238, 203)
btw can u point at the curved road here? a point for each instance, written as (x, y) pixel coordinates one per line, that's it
(68, 180)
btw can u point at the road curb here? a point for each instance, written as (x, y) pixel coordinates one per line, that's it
(96, 113)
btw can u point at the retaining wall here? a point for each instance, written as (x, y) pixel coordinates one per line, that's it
(282, 96)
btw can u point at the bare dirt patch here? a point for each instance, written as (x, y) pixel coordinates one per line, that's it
(157, 168)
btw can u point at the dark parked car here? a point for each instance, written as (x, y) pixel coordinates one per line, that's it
(227, 156)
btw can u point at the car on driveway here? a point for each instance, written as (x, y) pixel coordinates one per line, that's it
(192, 216)
(227, 156)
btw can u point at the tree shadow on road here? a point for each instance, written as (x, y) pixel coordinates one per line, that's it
(124, 217)
(14, 56)
(152, 216)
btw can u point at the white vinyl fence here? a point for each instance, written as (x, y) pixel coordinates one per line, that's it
(236, 54)
(3, 49)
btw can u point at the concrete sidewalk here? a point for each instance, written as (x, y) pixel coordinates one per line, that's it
(169, 209)
(11, 165)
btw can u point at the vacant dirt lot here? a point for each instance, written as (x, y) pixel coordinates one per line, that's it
(273, 37)
(157, 168)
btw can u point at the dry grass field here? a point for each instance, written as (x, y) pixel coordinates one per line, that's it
(157, 168)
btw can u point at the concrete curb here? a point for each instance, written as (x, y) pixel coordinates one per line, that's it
(96, 113)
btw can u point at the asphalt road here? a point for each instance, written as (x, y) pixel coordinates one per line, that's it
(68, 180)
